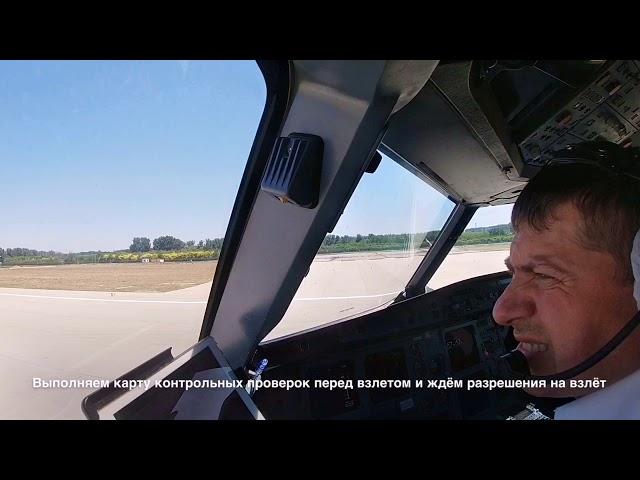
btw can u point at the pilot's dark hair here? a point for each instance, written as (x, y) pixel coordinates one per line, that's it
(608, 201)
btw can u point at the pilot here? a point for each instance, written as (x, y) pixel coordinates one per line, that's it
(576, 225)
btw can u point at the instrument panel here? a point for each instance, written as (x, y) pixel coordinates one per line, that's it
(608, 109)
(444, 334)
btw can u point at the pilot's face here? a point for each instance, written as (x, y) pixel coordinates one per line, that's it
(564, 302)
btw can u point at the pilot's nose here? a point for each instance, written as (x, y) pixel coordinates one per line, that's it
(513, 304)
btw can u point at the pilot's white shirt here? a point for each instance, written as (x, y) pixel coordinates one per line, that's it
(618, 401)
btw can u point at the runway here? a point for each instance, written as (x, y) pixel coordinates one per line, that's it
(61, 334)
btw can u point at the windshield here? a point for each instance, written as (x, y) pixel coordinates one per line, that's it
(119, 181)
(385, 231)
(480, 250)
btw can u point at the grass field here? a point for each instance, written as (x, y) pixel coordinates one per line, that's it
(158, 277)
(110, 277)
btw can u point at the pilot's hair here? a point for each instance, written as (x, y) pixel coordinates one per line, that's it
(609, 204)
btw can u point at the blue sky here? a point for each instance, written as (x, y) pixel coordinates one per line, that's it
(392, 200)
(94, 153)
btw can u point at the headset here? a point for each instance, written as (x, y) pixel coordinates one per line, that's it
(615, 160)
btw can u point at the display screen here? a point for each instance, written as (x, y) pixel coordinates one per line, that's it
(327, 403)
(389, 365)
(461, 347)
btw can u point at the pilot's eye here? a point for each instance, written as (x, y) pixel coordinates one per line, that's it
(542, 276)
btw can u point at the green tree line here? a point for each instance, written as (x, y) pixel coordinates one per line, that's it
(172, 249)
(171, 243)
(404, 241)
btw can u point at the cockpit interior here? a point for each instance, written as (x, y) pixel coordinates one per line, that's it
(473, 130)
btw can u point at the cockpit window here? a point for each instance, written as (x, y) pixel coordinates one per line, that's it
(480, 250)
(117, 185)
(385, 231)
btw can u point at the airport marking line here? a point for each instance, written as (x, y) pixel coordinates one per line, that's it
(86, 299)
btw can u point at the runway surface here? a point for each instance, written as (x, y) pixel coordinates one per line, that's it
(61, 334)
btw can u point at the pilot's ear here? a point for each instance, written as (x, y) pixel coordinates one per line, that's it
(635, 265)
